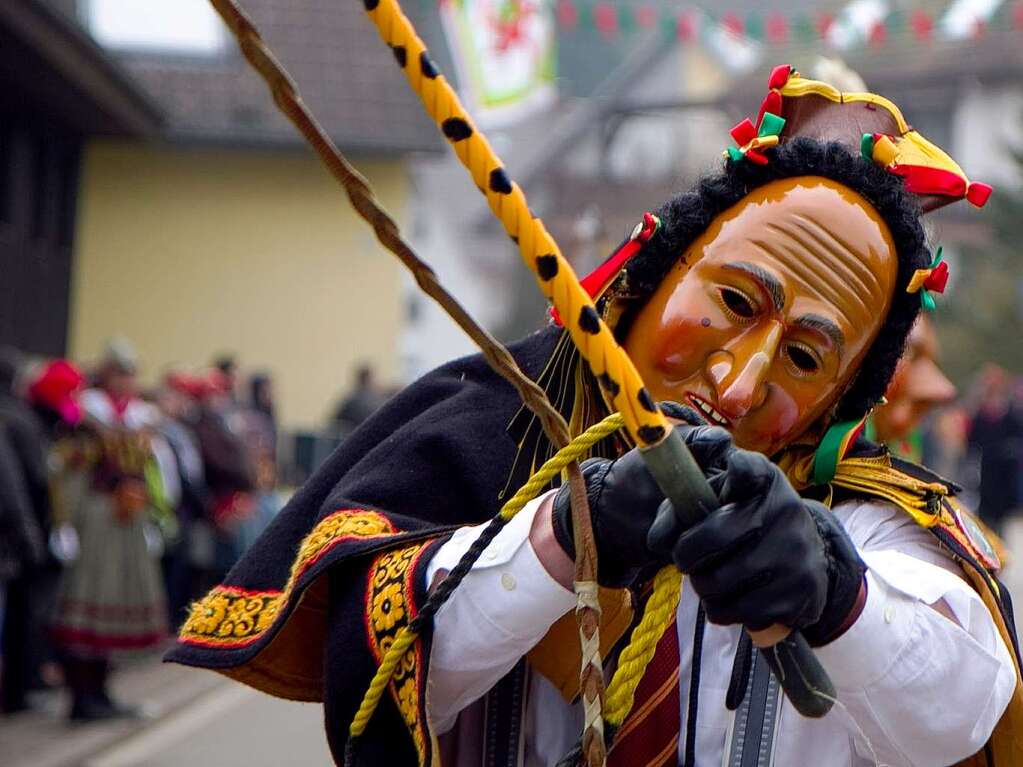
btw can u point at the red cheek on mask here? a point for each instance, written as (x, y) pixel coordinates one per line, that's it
(772, 424)
(680, 355)
(684, 341)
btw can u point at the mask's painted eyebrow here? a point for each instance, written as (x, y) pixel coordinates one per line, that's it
(822, 325)
(769, 282)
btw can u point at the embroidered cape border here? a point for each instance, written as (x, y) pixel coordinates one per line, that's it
(390, 606)
(230, 617)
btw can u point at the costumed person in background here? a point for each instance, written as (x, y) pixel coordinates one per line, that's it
(770, 304)
(227, 367)
(365, 398)
(261, 389)
(46, 412)
(229, 464)
(260, 436)
(22, 555)
(111, 598)
(918, 387)
(996, 432)
(52, 393)
(178, 401)
(26, 569)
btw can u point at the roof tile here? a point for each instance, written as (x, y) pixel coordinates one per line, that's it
(346, 76)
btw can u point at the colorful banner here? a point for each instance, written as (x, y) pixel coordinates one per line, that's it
(505, 55)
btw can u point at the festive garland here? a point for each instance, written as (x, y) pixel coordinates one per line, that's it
(612, 20)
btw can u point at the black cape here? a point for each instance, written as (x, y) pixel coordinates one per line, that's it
(306, 611)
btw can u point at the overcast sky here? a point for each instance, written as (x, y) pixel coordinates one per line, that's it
(176, 25)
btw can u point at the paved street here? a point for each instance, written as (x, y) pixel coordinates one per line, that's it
(189, 718)
(233, 725)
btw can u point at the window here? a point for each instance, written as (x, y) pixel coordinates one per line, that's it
(166, 26)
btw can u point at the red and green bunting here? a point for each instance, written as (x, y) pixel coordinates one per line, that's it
(614, 19)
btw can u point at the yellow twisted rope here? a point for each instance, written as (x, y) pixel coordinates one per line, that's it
(658, 615)
(575, 450)
(608, 361)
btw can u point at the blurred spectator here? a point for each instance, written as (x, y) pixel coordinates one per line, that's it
(227, 366)
(25, 524)
(21, 554)
(945, 442)
(996, 432)
(364, 400)
(21, 538)
(262, 403)
(178, 402)
(261, 441)
(111, 597)
(222, 429)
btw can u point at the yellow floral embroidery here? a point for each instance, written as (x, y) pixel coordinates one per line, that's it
(390, 607)
(233, 617)
(339, 526)
(242, 617)
(407, 700)
(397, 562)
(209, 618)
(408, 664)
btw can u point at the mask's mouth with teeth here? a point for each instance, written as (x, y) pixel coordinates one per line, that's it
(708, 411)
(682, 413)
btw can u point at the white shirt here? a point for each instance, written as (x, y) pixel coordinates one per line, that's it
(914, 688)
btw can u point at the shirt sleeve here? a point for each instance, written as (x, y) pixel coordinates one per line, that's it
(475, 640)
(915, 688)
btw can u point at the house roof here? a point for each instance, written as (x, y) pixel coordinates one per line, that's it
(343, 71)
(50, 65)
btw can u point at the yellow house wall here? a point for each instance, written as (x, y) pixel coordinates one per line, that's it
(193, 252)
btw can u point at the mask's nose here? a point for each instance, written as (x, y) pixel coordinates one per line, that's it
(739, 373)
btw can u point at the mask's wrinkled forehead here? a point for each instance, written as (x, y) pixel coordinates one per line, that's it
(820, 233)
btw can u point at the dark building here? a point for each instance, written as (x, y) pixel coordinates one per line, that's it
(57, 88)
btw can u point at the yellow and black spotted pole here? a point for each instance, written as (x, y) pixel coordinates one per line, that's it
(797, 668)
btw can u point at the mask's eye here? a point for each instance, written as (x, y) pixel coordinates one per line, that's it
(737, 306)
(802, 358)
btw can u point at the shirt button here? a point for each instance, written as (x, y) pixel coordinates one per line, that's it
(508, 581)
(889, 613)
(490, 555)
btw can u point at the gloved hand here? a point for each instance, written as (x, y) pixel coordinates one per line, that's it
(624, 499)
(767, 555)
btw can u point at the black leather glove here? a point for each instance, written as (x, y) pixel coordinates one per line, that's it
(624, 499)
(767, 555)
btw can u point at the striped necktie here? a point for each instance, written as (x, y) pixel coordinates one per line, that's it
(649, 736)
(753, 730)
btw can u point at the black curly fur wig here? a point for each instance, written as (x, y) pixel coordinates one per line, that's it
(687, 216)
